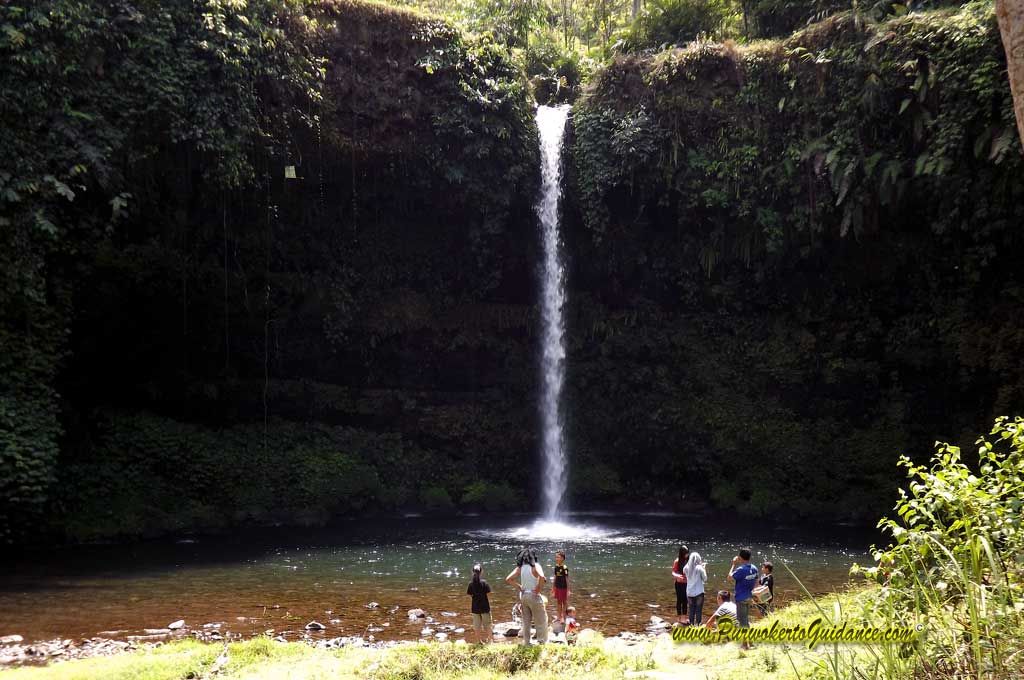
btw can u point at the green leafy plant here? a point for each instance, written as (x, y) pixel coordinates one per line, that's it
(955, 563)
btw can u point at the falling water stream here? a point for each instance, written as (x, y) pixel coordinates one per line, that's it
(551, 125)
(279, 579)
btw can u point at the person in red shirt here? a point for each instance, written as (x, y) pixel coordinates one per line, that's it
(680, 580)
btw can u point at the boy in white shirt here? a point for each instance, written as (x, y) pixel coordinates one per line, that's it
(726, 609)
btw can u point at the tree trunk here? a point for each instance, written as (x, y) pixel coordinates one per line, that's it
(636, 9)
(1011, 25)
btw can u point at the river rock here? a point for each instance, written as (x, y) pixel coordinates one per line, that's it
(177, 625)
(156, 631)
(508, 629)
(427, 631)
(10, 639)
(371, 605)
(657, 625)
(315, 625)
(147, 638)
(441, 637)
(334, 622)
(448, 614)
(459, 631)
(417, 614)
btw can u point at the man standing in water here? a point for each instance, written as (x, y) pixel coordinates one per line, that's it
(745, 576)
(531, 579)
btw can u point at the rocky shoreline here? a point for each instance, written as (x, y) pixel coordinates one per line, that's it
(15, 651)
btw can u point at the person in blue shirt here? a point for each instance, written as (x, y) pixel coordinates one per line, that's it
(745, 575)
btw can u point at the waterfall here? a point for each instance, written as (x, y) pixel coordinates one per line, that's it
(551, 124)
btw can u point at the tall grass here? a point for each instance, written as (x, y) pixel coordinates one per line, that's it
(954, 568)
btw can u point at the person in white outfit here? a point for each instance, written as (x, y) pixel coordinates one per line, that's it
(696, 576)
(531, 580)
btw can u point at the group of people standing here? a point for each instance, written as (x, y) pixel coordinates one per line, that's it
(751, 587)
(529, 578)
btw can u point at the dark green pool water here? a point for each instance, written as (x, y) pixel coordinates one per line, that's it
(282, 579)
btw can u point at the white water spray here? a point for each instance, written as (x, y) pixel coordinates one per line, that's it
(551, 124)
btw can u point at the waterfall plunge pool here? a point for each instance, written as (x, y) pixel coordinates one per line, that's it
(282, 579)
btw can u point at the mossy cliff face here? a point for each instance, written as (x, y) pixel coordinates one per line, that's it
(239, 345)
(787, 264)
(795, 260)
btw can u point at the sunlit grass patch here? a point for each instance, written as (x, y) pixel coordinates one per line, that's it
(173, 661)
(428, 661)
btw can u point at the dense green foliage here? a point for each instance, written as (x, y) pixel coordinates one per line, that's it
(801, 255)
(145, 214)
(92, 94)
(665, 23)
(787, 262)
(956, 561)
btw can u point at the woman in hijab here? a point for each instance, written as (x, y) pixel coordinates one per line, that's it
(696, 575)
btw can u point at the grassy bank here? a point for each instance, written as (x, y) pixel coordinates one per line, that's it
(594, 658)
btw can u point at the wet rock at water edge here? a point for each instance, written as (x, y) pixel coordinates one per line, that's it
(657, 625)
(427, 631)
(394, 609)
(371, 605)
(509, 629)
(334, 622)
(417, 614)
(449, 614)
(441, 637)
(176, 625)
(10, 639)
(150, 634)
(315, 625)
(17, 654)
(339, 642)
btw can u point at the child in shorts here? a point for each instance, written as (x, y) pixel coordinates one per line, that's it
(479, 590)
(571, 626)
(560, 588)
